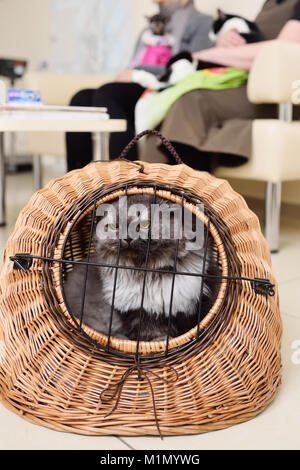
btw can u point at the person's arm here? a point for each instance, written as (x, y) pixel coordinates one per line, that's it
(240, 56)
(243, 56)
(290, 31)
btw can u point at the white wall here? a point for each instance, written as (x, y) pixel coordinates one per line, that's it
(90, 36)
(25, 29)
(247, 8)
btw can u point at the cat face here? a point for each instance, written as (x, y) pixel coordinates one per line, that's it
(157, 24)
(220, 21)
(135, 219)
(226, 22)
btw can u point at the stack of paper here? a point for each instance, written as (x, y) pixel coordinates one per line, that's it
(40, 111)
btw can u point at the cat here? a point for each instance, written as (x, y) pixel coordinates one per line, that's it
(156, 43)
(128, 307)
(183, 64)
(157, 24)
(225, 22)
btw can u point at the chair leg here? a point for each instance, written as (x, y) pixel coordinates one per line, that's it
(2, 181)
(37, 172)
(272, 215)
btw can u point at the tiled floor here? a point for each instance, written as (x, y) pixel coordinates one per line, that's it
(276, 428)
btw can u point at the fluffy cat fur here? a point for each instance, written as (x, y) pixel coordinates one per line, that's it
(182, 64)
(129, 287)
(225, 22)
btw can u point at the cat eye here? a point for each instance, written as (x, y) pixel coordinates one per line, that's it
(114, 227)
(145, 224)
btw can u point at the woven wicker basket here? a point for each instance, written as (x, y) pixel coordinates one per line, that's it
(53, 375)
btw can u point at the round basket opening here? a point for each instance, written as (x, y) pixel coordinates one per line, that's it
(98, 278)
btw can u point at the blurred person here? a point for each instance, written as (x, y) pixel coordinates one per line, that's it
(209, 127)
(189, 28)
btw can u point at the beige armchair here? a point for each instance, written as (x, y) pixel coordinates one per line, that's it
(56, 89)
(275, 142)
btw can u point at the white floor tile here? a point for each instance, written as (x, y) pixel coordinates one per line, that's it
(289, 297)
(289, 231)
(286, 263)
(17, 433)
(20, 188)
(276, 428)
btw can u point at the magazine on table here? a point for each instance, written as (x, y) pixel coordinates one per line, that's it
(42, 111)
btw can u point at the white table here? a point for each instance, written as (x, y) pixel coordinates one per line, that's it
(100, 130)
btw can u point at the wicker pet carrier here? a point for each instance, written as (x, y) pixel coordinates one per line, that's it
(58, 372)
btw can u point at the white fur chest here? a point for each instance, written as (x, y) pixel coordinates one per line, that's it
(233, 23)
(158, 289)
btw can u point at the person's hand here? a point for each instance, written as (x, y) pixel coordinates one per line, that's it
(124, 76)
(231, 39)
(201, 55)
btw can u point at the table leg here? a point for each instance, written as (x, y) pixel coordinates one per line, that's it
(100, 146)
(12, 162)
(37, 172)
(2, 181)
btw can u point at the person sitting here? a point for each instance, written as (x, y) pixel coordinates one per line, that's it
(208, 127)
(189, 28)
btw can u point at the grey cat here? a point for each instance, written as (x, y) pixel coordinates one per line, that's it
(132, 318)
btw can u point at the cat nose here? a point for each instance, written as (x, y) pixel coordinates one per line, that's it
(126, 242)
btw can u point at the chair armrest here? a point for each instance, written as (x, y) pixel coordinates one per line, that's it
(274, 155)
(275, 69)
(58, 89)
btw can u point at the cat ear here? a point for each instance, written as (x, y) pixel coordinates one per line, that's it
(221, 15)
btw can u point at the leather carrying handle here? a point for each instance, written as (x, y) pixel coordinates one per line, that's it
(165, 142)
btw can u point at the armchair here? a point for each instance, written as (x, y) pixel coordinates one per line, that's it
(56, 89)
(275, 142)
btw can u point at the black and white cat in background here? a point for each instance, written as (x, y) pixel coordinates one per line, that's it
(127, 298)
(183, 64)
(226, 22)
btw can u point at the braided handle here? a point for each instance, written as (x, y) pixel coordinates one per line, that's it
(165, 142)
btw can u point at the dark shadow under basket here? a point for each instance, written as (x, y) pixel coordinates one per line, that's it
(54, 374)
